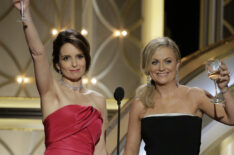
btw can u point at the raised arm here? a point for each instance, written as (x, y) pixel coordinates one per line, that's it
(134, 129)
(223, 114)
(41, 66)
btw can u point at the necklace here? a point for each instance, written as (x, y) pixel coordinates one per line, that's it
(71, 87)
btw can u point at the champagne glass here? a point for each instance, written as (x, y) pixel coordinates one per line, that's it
(212, 67)
(23, 18)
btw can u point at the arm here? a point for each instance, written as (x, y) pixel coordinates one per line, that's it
(134, 129)
(36, 48)
(100, 148)
(223, 114)
(227, 95)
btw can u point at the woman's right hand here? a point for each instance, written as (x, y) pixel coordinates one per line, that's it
(17, 4)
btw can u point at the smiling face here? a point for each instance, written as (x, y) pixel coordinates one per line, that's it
(163, 66)
(72, 62)
(74, 38)
(161, 59)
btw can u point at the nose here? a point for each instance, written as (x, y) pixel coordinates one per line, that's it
(161, 67)
(74, 62)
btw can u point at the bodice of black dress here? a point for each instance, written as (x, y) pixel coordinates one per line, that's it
(171, 134)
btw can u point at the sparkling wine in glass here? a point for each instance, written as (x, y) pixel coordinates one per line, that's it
(23, 19)
(212, 67)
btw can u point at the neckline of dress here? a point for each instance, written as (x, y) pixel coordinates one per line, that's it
(169, 114)
(84, 106)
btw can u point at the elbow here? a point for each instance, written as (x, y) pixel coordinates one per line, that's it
(230, 121)
(36, 53)
(231, 124)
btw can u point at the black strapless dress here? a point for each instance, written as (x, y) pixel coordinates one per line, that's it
(171, 134)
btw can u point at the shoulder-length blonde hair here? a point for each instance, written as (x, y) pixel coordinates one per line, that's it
(146, 92)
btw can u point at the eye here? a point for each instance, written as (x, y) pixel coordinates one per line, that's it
(154, 62)
(80, 56)
(65, 58)
(168, 61)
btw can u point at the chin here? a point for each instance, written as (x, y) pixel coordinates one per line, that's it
(162, 81)
(166, 82)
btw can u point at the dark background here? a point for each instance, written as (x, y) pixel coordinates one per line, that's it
(182, 24)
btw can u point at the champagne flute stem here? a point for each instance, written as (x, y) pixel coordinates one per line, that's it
(22, 8)
(216, 91)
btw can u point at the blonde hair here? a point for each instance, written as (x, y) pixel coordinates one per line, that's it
(146, 92)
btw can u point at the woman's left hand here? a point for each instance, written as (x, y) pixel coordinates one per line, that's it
(17, 4)
(224, 77)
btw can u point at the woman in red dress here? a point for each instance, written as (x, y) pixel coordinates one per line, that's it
(73, 116)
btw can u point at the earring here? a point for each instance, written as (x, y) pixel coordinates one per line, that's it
(60, 72)
(177, 77)
(148, 81)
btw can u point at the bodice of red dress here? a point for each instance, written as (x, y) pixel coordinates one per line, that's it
(72, 130)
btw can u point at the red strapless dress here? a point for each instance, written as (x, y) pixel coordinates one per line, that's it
(72, 130)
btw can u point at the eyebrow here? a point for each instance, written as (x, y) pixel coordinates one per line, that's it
(64, 55)
(164, 58)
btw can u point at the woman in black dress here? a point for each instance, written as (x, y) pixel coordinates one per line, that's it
(167, 115)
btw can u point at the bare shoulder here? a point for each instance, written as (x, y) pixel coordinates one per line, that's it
(198, 94)
(97, 98)
(137, 103)
(137, 107)
(95, 95)
(196, 91)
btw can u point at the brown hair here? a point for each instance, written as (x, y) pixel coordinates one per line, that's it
(76, 39)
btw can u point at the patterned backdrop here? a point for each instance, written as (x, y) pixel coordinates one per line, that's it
(115, 59)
